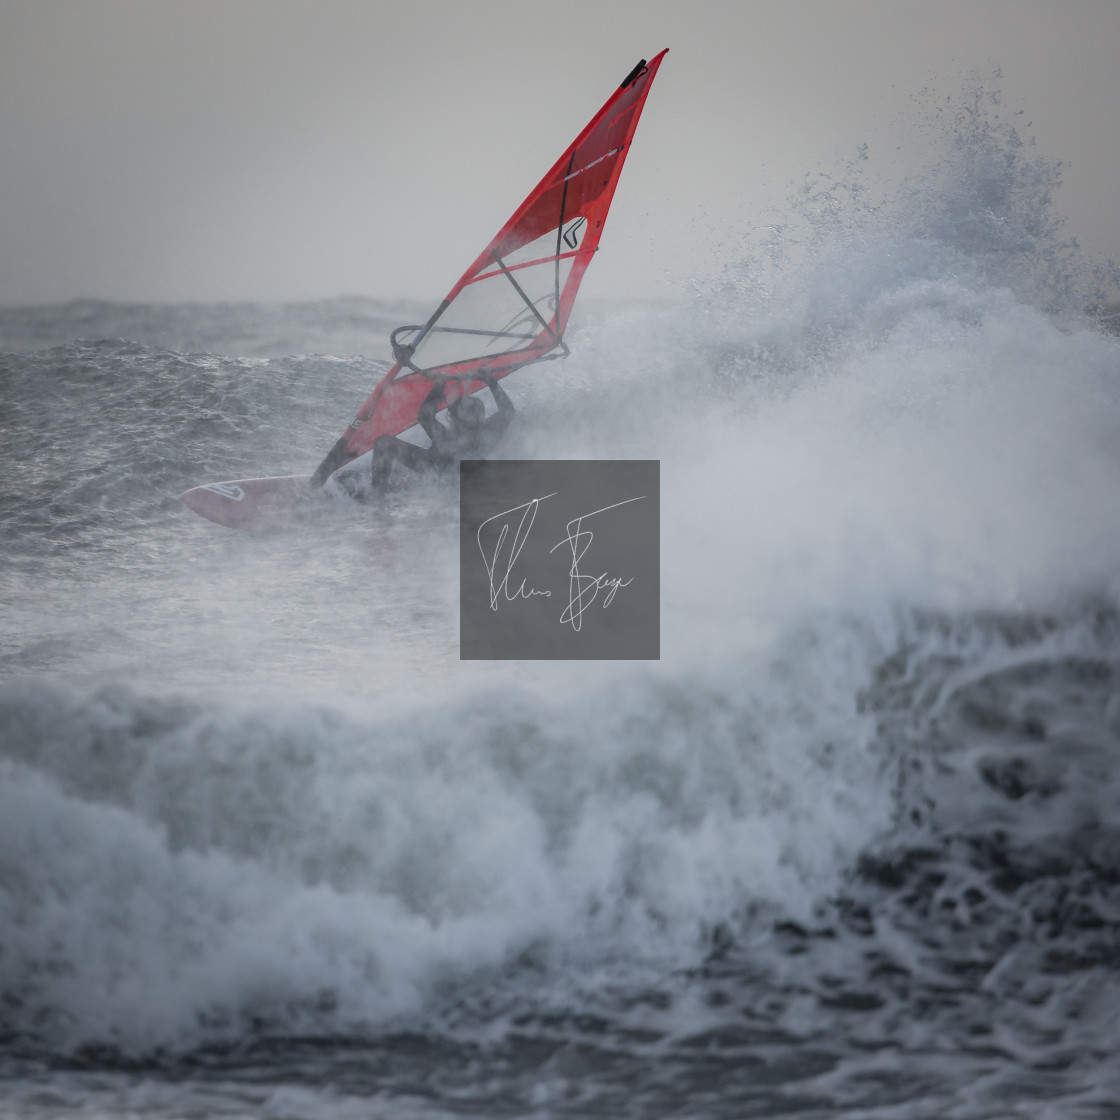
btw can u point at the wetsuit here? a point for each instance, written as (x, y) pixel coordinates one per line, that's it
(450, 443)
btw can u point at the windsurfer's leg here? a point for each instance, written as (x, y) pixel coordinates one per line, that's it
(382, 462)
(389, 449)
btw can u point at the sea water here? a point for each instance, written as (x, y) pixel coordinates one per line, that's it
(851, 848)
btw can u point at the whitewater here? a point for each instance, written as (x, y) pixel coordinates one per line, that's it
(850, 849)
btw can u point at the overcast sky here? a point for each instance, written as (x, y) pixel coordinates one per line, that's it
(286, 149)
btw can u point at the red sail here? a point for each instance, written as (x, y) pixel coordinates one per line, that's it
(511, 306)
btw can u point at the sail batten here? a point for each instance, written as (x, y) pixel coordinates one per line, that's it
(511, 307)
(529, 264)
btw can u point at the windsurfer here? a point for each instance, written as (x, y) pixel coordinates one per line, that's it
(470, 434)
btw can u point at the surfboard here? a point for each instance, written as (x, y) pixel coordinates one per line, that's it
(258, 503)
(508, 310)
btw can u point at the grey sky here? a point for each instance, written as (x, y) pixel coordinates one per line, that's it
(273, 149)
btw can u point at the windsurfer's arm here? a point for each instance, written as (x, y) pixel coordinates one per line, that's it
(505, 405)
(426, 417)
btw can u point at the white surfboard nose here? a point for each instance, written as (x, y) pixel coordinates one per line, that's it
(256, 503)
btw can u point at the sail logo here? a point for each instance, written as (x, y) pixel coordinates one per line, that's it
(574, 233)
